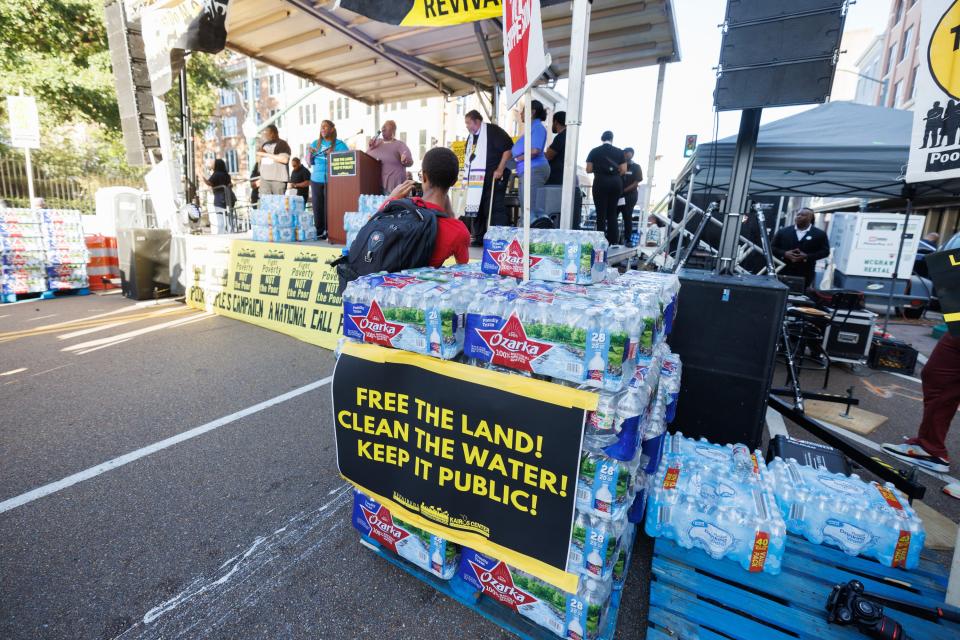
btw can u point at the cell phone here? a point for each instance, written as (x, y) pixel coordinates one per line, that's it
(417, 191)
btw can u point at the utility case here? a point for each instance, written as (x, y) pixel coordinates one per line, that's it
(847, 337)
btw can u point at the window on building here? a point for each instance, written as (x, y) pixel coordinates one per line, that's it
(905, 45)
(895, 99)
(423, 102)
(257, 117)
(423, 142)
(890, 53)
(913, 82)
(898, 13)
(211, 132)
(227, 97)
(208, 159)
(229, 126)
(403, 105)
(403, 136)
(313, 114)
(276, 84)
(245, 90)
(346, 107)
(257, 89)
(300, 111)
(331, 111)
(339, 108)
(279, 121)
(369, 109)
(233, 164)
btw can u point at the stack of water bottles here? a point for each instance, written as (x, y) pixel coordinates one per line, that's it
(718, 499)
(556, 255)
(22, 253)
(367, 205)
(282, 218)
(66, 250)
(425, 550)
(861, 518)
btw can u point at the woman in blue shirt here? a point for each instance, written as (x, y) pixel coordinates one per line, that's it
(539, 166)
(317, 156)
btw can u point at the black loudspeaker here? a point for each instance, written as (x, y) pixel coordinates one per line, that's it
(726, 332)
(778, 52)
(138, 120)
(144, 256)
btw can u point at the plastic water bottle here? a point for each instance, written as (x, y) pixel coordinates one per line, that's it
(602, 424)
(586, 610)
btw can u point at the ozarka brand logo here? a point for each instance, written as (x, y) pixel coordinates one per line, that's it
(397, 282)
(510, 259)
(382, 528)
(510, 345)
(375, 327)
(498, 583)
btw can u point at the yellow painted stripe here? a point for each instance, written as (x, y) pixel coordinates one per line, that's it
(560, 579)
(952, 317)
(519, 385)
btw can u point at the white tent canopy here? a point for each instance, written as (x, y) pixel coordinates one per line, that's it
(376, 62)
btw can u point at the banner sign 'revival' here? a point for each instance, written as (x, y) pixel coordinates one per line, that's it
(935, 143)
(288, 288)
(481, 458)
(428, 13)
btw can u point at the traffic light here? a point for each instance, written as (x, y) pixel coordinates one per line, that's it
(689, 146)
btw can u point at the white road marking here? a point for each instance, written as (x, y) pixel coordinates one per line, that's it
(143, 452)
(904, 377)
(922, 359)
(134, 307)
(6, 315)
(34, 375)
(200, 609)
(103, 346)
(13, 371)
(137, 332)
(775, 424)
(870, 444)
(119, 322)
(41, 317)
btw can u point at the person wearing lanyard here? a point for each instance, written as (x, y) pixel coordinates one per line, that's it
(394, 156)
(537, 170)
(317, 155)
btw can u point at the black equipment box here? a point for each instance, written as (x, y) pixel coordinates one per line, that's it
(849, 335)
(726, 333)
(144, 256)
(893, 355)
(811, 454)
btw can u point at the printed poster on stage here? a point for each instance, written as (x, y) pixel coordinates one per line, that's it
(935, 143)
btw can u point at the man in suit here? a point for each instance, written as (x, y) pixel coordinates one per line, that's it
(800, 245)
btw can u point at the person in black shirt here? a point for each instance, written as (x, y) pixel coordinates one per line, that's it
(631, 182)
(557, 150)
(221, 183)
(255, 183)
(299, 179)
(498, 154)
(800, 245)
(607, 164)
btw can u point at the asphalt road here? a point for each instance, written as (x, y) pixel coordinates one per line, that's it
(242, 531)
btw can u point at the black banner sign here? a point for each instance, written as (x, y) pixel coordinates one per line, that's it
(482, 458)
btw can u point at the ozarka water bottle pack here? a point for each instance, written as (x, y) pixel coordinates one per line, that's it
(282, 218)
(556, 255)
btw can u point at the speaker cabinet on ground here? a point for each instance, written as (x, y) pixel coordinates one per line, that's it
(726, 332)
(144, 256)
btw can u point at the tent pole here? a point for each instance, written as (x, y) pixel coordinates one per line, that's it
(579, 35)
(654, 135)
(526, 182)
(896, 265)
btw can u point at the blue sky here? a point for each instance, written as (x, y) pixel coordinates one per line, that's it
(688, 90)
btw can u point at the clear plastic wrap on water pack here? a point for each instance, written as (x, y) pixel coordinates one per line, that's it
(860, 518)
(579, 334)
(576, 616)
(716, 498)
(665, 286)
(556, 255)
(281, 218)
(606, 486)
(624, 554)
(595, 545)
(427, 551)
(409, 313)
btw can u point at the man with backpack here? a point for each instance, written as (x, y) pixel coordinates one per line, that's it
(409, 232)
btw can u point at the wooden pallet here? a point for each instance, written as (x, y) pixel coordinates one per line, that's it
(43, 295)
(695, 596)
(498, 614)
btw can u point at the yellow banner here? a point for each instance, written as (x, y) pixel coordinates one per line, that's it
(284, 287)
(442, 13)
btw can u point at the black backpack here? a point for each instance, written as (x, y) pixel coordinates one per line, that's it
(399, 236)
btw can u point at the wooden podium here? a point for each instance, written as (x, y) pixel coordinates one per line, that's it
(349, 174)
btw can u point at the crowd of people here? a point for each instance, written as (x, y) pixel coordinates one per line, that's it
(490, 160)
